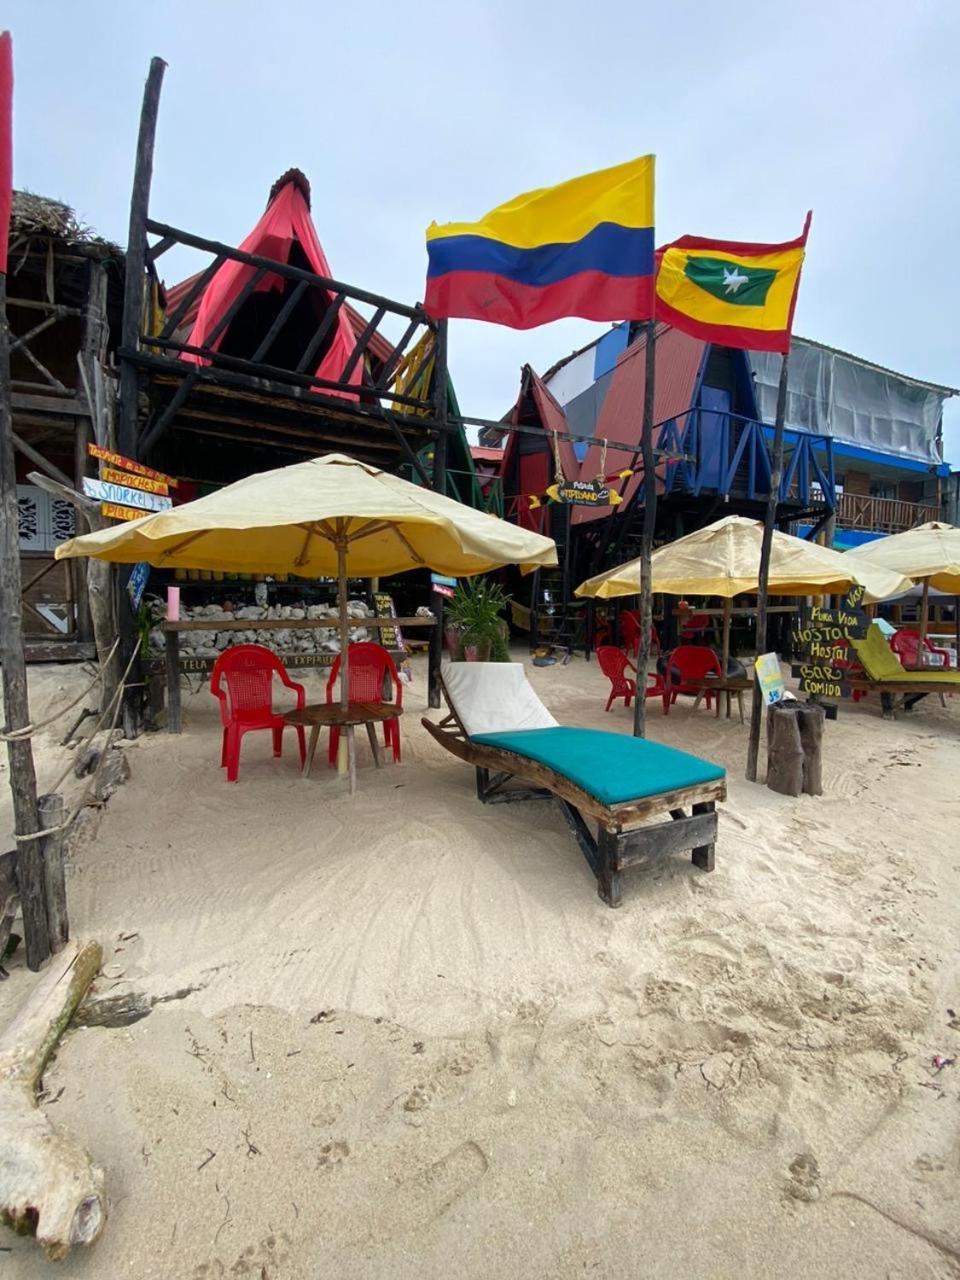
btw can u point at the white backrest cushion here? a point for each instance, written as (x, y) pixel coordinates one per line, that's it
(494, 697)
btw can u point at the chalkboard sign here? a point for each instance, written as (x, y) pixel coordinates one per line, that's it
(383, 607)
(823, 638)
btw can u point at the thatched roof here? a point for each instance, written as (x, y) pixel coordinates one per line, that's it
(33, 215)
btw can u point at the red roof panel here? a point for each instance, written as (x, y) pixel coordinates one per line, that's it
(621, 416)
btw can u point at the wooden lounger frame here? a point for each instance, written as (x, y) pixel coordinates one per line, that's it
(625, 835)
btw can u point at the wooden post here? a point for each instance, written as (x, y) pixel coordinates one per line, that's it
(440, 392)
(924, 617)
(172, 643)
(784, 749)
(134, 268)
(23, 778)
(346, 752)
(52, 813)
(136, 256)
(84, 618)
(725, 646)
(769, 520)
(649, 524)
(811, 716)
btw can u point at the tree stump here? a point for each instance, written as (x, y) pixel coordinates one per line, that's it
(784, 749)
(811, 718)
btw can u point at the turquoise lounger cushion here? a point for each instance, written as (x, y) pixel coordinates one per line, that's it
(611, 766)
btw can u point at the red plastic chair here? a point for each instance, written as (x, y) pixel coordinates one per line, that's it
(695, 628)
(614, 663)
(630, 631)
(370, 664)
(688, 662)
(906, 645)
(247, 670)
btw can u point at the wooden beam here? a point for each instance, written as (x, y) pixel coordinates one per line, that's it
(40, 461)
(284, 269)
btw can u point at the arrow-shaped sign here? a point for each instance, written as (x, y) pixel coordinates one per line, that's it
(125, 496)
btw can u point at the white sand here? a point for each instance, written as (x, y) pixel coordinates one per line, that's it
(730, 1076)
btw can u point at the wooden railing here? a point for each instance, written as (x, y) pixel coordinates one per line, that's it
(885, 515)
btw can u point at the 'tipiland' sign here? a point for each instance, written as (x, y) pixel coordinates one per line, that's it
(584, 493)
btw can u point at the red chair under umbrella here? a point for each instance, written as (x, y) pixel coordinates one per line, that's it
(246, 703)
(371, 667)
(687, 663)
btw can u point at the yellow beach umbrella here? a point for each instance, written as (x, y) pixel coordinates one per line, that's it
(723, 559)
(929, 554)
(328, 517)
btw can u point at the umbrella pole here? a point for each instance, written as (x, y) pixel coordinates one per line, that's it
(924, 614)
(725, 650)
(346, 759)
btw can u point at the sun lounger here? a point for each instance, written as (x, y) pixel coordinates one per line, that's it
(884, 673)
(623, 784)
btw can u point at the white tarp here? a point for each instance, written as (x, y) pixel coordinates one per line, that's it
(835, 394)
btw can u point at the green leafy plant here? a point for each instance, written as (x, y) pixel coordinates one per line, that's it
(148, 615)
(476, 611)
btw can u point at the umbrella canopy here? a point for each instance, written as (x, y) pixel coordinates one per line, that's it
(723, 559)
(930, 553)
(331, 516)
(292, 520)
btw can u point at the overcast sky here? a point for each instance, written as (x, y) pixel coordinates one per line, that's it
(404, 113)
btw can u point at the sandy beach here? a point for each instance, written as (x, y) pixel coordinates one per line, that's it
(399, 1035)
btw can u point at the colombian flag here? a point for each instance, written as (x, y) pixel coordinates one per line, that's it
(584, 248)
(730, 292)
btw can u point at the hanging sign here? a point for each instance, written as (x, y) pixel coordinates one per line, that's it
(770, 677)
(443, 586)
(584, 493)
(116, 511)
(137, 582)
(125, 496)
(128, 464)
(144, 483)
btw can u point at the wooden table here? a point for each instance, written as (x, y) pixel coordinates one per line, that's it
(331, 715)
(731, 685)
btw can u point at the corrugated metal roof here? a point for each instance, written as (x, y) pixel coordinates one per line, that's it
(621, 417)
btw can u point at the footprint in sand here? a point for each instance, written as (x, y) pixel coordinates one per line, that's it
(804, 1180)
(431, 1192)
(332, 1154)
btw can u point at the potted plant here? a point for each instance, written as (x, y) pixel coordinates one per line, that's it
(475, 612)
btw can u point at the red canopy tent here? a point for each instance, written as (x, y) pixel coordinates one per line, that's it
(285, 233)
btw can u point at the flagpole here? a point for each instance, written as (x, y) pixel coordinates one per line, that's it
(769, 520)
(649, 523)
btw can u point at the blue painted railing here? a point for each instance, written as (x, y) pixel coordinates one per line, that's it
(730, 455)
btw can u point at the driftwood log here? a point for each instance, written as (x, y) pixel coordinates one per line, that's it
(784, 749)
(48, 1184)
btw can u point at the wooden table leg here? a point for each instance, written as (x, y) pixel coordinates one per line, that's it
(374, 744)
(172, 643)
(351, 758)
(311, 750)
